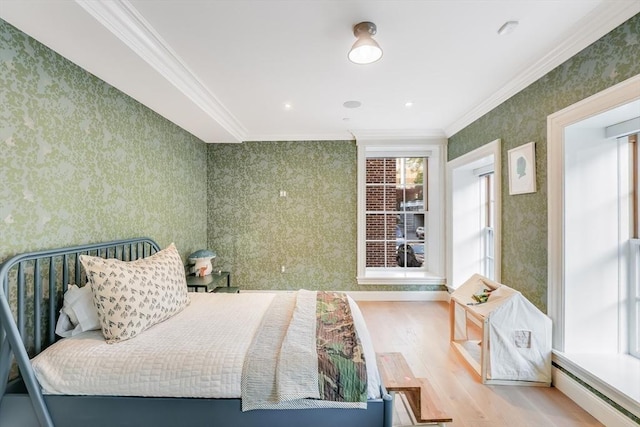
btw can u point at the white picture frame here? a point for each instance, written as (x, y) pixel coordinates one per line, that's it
(522, 169)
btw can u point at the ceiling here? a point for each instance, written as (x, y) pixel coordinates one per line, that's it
(224, 69)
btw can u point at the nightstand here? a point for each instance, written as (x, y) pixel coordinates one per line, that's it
(209, 281)
(226, 290)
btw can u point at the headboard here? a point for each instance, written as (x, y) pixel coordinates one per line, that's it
(32, 286)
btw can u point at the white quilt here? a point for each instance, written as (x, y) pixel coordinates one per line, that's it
(281, 369)
(197, 353)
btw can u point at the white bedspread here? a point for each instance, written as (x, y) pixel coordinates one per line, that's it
(281, 369)
(197, 353)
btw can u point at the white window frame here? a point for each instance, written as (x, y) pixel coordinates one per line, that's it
(470, 165)
(620, 94)
(634, 253)
(592, 370)
(432, 272)
(634, 298)
(486, 184)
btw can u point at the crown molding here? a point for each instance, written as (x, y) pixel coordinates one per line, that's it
(382, 134)
(397, 134)
(263, 137)
(128, 25)
(122, 19)
(603, 19)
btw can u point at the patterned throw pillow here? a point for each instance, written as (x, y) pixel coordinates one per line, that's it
(133, 296)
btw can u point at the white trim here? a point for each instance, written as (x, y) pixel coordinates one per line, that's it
(484, 170)
(620, 130)
(399, 295)
(493, 148)
(634, 298)
(302, 137)
(598, 23)
(415, 278)
(620, 94)
(588, 401)
(128, 25)
(397, 135)
(381, 295)
(435, 234)
(621, 370)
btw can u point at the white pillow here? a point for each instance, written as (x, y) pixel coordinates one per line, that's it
(133, 296)
(78, 314)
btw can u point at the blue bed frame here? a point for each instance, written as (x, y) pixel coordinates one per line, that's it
(39, 279)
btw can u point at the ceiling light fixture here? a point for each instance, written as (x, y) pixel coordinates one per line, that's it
(508, 27)
(365, 50)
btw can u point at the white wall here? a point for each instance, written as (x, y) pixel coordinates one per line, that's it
(465, 235)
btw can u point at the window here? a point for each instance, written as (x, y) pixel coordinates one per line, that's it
(634, 250)
(473, 215)
(588, 284)
(399, 213)
(598, 231)
(395, 211)
(487, 224)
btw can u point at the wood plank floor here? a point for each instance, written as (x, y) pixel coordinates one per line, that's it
(420, 330)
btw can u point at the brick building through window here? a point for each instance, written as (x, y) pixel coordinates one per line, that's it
(395, 211)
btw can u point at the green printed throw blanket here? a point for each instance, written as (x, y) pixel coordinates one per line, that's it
(341, 365)
(305, 354)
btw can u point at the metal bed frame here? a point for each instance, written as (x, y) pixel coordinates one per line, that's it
(41, 278)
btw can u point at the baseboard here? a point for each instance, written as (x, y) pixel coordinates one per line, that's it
(384, 295)
(591, 403)
(399, 295)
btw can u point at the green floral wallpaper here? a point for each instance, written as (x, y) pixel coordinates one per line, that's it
(311, 231)
(82, 162)
(522, 119)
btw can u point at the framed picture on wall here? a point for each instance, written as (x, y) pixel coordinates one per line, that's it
(522, 169)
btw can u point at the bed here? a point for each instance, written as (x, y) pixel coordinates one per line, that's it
(41, 384)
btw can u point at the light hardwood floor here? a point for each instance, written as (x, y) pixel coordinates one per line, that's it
(420, 330)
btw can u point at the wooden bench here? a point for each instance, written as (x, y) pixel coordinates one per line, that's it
(423, 401)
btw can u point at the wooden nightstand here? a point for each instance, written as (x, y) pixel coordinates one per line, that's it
(209, 281)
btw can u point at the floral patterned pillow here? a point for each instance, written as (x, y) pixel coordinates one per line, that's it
(133, 296)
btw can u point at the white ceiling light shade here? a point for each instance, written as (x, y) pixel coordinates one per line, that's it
(365, 50)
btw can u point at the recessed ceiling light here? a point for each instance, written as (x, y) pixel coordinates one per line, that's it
(408, 104)
(352, 104)
(287, 106)
(508, 27)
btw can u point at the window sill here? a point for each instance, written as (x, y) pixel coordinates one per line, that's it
(399, 277)
(616, 376)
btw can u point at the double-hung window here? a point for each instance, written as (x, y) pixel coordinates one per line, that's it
(487, 224)
(400, 232)
(634, 249)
